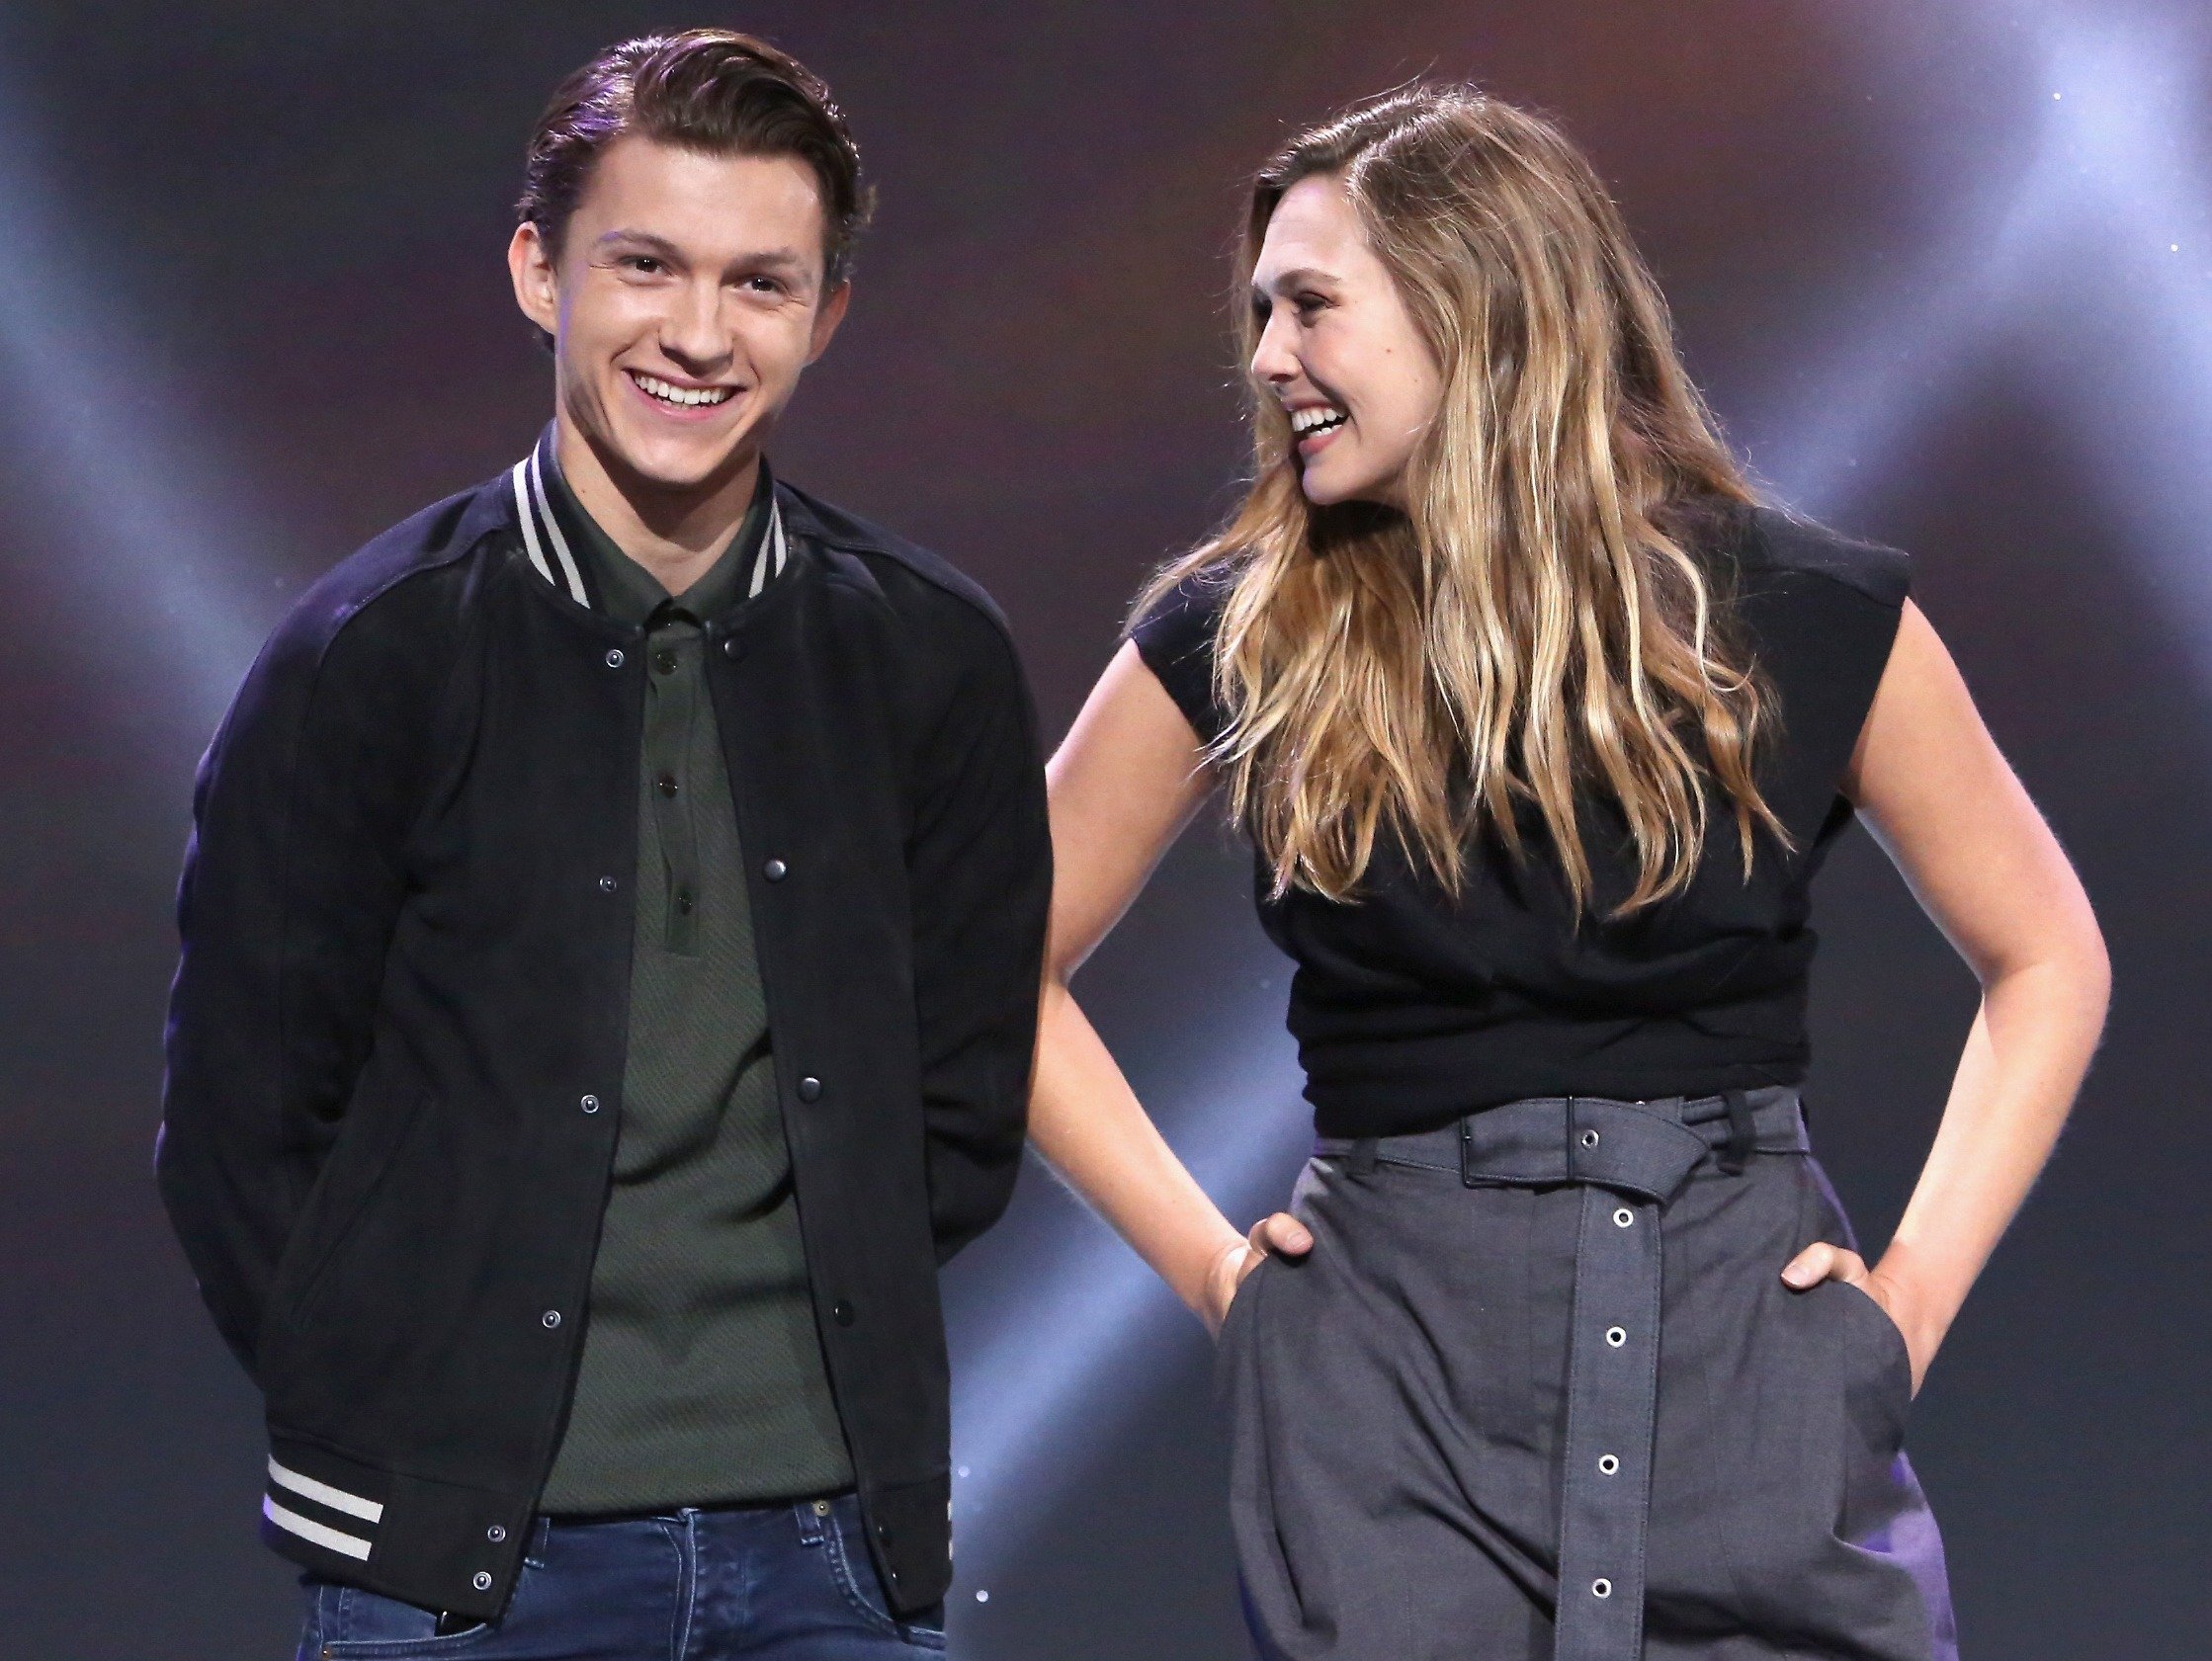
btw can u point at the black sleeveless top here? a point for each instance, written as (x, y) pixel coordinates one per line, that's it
(1412, 1007)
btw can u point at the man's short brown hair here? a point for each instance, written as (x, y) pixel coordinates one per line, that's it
(705, 89)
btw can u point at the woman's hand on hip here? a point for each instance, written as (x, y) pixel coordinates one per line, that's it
(1278, 1234)
(1825, 1261)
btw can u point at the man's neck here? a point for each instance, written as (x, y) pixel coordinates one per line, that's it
(676, 536)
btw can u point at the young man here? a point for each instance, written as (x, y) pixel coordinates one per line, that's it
(611, 949)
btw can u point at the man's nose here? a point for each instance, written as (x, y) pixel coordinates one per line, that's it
(692, 331)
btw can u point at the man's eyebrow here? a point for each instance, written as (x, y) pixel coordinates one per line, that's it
(770, 259)
(638, 239)
(780, 258)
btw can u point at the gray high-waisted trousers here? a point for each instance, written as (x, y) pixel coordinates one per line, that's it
(1539, 1393)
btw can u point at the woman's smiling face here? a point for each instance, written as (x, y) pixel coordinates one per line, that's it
(1338, 349)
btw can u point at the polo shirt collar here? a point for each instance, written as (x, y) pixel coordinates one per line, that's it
(568, 547)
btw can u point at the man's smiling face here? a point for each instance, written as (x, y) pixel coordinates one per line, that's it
(686, 297)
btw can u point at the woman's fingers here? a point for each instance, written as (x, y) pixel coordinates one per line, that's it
(1278, 1234)
(1281, 1233)
(1228, 1274)
(1822, 1262)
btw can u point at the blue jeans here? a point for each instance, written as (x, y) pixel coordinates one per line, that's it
(791, 1582)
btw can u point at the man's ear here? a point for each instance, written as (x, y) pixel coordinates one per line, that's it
(537, 287)
(827, 316)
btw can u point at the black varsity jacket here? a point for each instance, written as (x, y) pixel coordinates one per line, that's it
(395, 1040)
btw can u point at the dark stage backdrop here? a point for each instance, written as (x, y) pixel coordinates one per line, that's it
(1947, 270)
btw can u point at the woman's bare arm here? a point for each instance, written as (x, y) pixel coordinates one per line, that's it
(1124, 785)
(1940, 798)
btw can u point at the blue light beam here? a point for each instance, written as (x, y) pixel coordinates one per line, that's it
(164, 572)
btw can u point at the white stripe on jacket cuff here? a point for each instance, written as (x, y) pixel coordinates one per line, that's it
(323, 1493)
(330, 1539)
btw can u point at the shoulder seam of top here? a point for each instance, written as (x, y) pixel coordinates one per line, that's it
(865, 540)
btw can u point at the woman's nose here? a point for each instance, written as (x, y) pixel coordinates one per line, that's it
(1273, 362)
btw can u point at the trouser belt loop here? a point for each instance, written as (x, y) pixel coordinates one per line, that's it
(1361, 1160)
(1742, 1134)
(814, 1521)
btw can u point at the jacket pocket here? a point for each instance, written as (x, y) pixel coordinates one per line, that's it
(356, 1170)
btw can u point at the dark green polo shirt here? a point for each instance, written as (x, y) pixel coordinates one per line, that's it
(702, 1379)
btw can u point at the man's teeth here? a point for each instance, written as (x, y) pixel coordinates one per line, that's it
(691, 397)
(1320, 418)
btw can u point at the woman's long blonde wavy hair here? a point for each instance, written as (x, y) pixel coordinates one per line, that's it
(1540, 619)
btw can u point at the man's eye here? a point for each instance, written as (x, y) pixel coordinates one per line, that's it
(644, 262)
(764, 286)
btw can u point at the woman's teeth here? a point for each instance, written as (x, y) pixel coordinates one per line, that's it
(686, 397)
(1322, 418)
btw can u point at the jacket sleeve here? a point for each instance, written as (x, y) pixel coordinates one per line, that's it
(292, 885)
(979, 864)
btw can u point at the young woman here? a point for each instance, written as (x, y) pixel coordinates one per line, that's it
(1540, 725)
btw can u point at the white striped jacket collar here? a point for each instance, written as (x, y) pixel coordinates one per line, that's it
(551, 557)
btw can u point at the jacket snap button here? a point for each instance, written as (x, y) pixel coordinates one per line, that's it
(775, 870)
(590, 1103)
(606, 885)
(729, 648)
(841, 1312)
(551, 1318)
(614, 657)
(809, 1090)
(482, 1582)
(495, 1533)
